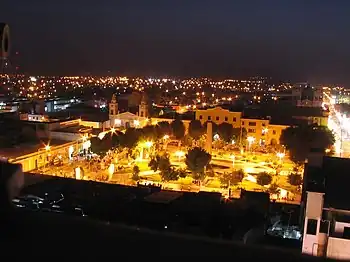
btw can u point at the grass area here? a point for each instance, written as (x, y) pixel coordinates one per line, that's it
(215, 183)
(153, 177)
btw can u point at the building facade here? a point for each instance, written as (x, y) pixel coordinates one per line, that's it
(262, 130)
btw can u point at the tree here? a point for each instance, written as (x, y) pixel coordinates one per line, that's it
(99, 146)
(149, 132)
(162, 163)
(225, 131)
(136, 173)
(181, 172)
(130, 138)
(178, 129)
(264, 179)
(295, 179)
(232, 179)
(301, 139)
(274, 190)
(195, 129)
(196, 160)
(164, 128)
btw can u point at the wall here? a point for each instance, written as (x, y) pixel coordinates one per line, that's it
(64, 136)
(37, 159)
(219, 115)
(338, 248)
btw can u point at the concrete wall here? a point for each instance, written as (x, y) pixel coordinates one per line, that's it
(338, 248)
(64, 136)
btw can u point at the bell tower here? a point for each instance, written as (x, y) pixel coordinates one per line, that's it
(143, 107)
(113, 107)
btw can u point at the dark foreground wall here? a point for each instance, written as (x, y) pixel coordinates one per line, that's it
(32, 235)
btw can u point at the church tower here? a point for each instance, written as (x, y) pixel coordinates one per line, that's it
(143, 107)
(113, 107)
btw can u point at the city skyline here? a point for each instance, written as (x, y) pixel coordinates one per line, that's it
(295, 41)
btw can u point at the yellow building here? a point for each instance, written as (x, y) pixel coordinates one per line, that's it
(219, 115)
(263, 132)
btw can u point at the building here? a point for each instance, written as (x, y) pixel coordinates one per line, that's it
(327, 210)
(305, 95)
(261, 128)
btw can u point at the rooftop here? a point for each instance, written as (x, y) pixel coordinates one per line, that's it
(25, 149)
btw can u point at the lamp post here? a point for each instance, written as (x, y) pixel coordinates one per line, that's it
(250, 140)
(280, 155)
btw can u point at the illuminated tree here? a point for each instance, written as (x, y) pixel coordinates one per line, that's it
(232, 179)
(195, 129)
(136, 173)
(226, 132)
(196, 160)
(301, 139)
(295, 179)
(178, 129)
(264, 179)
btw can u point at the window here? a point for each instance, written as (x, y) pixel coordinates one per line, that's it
(311, 227)
(141, 113)
(346, 233)
(226, 118)
(217, 118)
(242, 123)
(263, 124)
(209, 118)
(234, 119)
(200, 117)
(251, 130)
(274, 132)
(252, 123)
(324, 226)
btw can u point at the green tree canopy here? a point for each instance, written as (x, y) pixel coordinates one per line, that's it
(164, 128)
(195, 129)
(196, 160)
(226, 132)
(300, 140)
(162, 163)
(130, 138)
(273, 189)
(295, 179)
(232, 179)
(264, 179)
(136, 173)
(178, 129)
(99, 146)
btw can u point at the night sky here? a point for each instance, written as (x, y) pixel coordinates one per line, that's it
(286, 39)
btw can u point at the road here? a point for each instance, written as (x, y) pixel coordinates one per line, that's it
(340, 125)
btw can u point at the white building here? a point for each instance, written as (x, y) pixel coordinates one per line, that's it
(326, 229)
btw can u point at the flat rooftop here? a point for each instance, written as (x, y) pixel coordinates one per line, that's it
(25, 149)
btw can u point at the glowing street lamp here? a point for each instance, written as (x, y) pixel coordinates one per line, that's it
(180, 154)
(250, 140)
(47, 147)
(148, 144)
(113, 130)
(165, 137)
(78, 173)
(280, 155)
(111, 169)
(101, 135)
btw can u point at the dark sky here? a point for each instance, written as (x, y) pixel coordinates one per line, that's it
(286, 39)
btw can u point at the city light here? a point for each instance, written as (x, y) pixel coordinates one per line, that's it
(111, 169)
(78, 173)
(47, 147)
(148, 144)
(101, 135)
(165, 137)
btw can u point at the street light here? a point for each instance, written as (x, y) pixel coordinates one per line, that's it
(47, 147)
(165, 137)
(180, 154)
(111, 169)
(250, 140)
(148, 144)
(280, 155)
(233, 160)
(113, 130)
